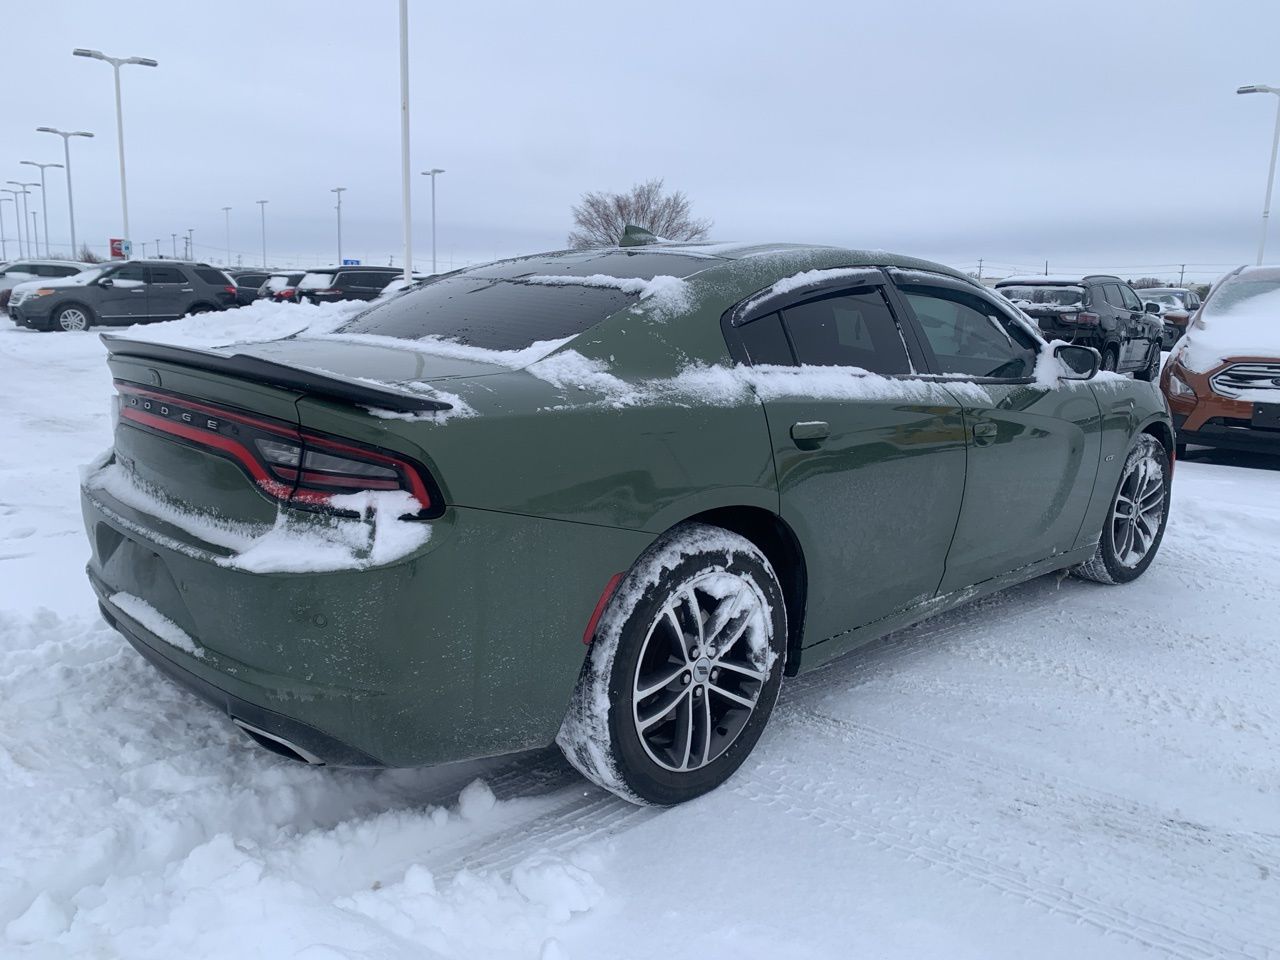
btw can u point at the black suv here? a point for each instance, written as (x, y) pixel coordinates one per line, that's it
(328, 284)
(138, 291)
(247, 284)
(1099, 311)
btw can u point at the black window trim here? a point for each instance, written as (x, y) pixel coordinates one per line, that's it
(764, 303)
(942, 280)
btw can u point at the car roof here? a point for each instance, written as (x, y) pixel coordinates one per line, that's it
(683, 260)
(57, 263)
(1057, 279)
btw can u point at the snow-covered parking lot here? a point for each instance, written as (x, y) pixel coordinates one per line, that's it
(1061, 771)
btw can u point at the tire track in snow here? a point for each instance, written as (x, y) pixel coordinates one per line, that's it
(944, 833)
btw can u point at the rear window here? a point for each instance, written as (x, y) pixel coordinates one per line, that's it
(315, 281)
(250, 279)
(493, 314)
(216, 277)
(1044, 295)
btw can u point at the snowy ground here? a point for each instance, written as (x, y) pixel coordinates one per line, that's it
(1060, 771)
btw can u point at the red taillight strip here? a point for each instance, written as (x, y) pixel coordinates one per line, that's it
(589, 634)
(247, 459)
(271, 426)
(237, 451)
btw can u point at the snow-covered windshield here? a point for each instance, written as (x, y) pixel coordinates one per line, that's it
(493, 314)
(1250, 299)
(1053, 296)
(1164, 299)
(281, 281)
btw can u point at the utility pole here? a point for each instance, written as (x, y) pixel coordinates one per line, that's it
(174, 236)
(158, 253)
(191, 246)
(4, 241)
(1182, 269)
(338, 191)
(1046, 268)
(979, 269)
(262, 205)
(35, 232)
(227, 212)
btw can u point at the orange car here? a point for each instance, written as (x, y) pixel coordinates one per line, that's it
(1222, 381)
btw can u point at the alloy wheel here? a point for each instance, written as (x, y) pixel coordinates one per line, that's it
(701, 670)
(1138, 511)
(73, 318)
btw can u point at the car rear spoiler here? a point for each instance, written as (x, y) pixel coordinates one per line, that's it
(313, 382)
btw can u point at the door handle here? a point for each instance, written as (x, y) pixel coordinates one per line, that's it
(809, 434)
(984, 432)
(137, 290)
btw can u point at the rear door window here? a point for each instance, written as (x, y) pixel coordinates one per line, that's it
(852, 328)
(1130, 299)
(765, 341)
(493, 314)
(165, 275)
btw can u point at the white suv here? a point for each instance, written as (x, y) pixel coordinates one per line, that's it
(20, 271)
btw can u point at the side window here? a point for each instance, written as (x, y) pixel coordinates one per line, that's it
(165, 275)
(1111, 292)
(766, 342)
(853, 328)
(350, 281)
(1130, 298)
(131, 272)
(970, 336)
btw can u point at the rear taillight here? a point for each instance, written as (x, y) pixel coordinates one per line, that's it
(230, 290)
(1088, 319)
(286, 463)
(285, 294)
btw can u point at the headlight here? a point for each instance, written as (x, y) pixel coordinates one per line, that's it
(1179, 387)
(42, 292)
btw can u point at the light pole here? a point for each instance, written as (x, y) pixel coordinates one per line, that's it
(66, 136)
(116, 63)
(17, 217)
(404, 139)
(44, 201)
(174, 238)
(4, 240)
(191, 246)
(226, 211)
(1271, 171)
(31, 251)
(338, 191)
(35, 229)
(262, 205)
(432, 173)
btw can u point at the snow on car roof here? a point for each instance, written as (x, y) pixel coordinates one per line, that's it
(1042, 278)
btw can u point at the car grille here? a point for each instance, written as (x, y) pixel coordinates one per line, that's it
(1246, 376)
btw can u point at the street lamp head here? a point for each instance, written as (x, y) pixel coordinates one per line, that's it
(142, 61)
(432, 172)
(1258, 88)
(82, 52)
(337, 189)
(32, 163)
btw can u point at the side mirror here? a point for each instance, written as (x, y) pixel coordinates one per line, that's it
(1078, 363)
(106, 282)
(1151, 306)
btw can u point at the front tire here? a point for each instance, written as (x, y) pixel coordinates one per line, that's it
(1137, 519)
(1111, 359)
(72, 317)
(684, 669)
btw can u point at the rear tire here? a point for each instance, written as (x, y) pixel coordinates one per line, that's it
(1111, 359)
(1137, 519)
(72, 318)
(684, 669)
(1151, 371)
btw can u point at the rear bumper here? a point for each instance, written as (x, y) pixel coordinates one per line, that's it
(304, 742)
(468, 648)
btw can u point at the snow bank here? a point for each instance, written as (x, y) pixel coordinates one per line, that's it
(298, 541)
(1243, 328)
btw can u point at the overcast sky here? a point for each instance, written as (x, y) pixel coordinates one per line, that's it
(1093, 134)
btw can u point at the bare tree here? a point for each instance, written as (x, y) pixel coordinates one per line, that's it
(600, 217)
(87, 255)
(1142, 283)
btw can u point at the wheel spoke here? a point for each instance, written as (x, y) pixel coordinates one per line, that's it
(677, 632)
(736, 698)
(706, 730)
(695, 613)
(644, 724)
(733, 606)
(745, 671)
(649, 690)
(686, 720)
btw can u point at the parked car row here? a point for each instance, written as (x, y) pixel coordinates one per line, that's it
(1099, 311)
(69, 295)
(1176, 306)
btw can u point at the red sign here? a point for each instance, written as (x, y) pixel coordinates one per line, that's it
(119, 248)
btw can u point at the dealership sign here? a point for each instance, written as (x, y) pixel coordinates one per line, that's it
(121, 249)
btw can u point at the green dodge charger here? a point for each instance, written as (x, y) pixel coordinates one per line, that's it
(607, 498)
